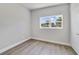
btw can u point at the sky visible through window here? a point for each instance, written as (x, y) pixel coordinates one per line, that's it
(48, 18)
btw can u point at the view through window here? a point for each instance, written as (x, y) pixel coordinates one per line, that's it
(54, 22)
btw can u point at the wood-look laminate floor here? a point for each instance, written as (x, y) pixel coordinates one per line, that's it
(35, 47)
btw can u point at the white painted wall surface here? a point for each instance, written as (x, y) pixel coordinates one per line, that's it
(61, 36)
(14, 24)
(75, 26)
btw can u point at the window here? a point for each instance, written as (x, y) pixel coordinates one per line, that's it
(52, 22)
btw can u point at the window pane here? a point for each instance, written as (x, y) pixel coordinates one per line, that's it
(59, 19)
(53, 21)
(58, 24)
(44, 21)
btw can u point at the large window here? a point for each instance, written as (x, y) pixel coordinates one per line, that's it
(52, 22)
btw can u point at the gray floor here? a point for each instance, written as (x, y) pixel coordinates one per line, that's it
(35, 47)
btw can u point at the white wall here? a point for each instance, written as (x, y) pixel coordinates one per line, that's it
(53, 35)
(14, 24)
(75, 26)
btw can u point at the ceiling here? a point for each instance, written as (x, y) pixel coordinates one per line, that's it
(32, 6)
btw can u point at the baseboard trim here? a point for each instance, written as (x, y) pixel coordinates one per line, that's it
(75, 50)
(14, 45)
(60, 43)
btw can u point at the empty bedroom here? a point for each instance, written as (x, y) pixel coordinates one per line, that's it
(39, 28)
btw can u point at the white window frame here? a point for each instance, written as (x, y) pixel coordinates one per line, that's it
(50, 27)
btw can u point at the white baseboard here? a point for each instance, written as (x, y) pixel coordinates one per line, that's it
(14, 45)
(75, 50)
(61, 43)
